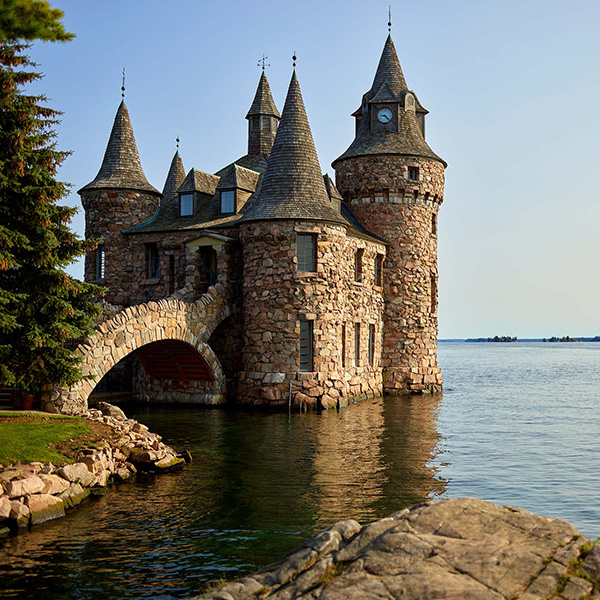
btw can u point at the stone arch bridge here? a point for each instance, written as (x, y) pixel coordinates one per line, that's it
(169, 335)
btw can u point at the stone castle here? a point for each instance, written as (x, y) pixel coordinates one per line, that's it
(324, 292)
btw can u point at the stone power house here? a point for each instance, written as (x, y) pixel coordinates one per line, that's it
(267, 277)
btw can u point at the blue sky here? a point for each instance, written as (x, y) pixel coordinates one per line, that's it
(512, 89)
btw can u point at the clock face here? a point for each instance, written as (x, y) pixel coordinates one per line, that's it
(384, 115)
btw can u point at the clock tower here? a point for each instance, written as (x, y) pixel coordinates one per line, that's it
(393, 183)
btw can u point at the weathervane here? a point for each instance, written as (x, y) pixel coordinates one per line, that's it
(123, 85)
(263, 62)
(294, 58)
(390, 19)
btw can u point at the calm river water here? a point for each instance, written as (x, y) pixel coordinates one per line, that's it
(518, 424)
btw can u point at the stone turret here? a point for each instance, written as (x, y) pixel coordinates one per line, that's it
(263, 118)
(393, 183)
(291, 216)
(119, 197)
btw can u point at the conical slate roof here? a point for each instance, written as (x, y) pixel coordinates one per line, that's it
(121, 167)
(293, 186)
(389, 85)
(175, 177)
(388, 71)
(263, 100)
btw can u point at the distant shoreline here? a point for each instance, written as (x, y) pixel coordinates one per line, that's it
(550, 340)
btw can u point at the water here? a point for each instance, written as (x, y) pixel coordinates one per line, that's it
(518, 424)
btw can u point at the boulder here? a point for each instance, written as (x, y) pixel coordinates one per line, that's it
(5, 507)
(110, 410)
(53, 484)
(24, 487)
(45, 507)
(19, 513)
(456, 549)
(76, 473)
(74, 495)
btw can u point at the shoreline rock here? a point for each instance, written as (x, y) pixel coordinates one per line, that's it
(456, 549)
(36, 492)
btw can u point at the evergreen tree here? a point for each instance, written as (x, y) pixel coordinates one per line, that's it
(44, 312)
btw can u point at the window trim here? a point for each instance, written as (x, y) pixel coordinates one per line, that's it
(235, 199)
(182, 216)
(299, 263)
(100, 262)
(152, 255)
(306, 366)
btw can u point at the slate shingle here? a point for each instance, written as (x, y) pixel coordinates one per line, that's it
(121, 167)
(263, 100)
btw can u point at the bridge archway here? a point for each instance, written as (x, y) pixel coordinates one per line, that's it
(183, 327)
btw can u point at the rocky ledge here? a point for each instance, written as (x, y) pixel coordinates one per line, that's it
(453, 549)
(37, 492)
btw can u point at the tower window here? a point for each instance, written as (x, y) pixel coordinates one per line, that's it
(413, 173)
(306, 346)
(356, 344)
(186, 205)
(378, 268)
(343, 344)
(152, 261)
(100, 262)
(371, 344)
(434, 224)
(433, 294)
(306, 252)
(228, 202)
(358, 260)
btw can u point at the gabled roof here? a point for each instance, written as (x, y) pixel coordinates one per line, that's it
(175, 177)
(199, 181)
(293, 186)
(239, 178)
(253, 162)
(121, 167)
(263, 100)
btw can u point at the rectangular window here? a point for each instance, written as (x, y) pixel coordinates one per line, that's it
(186, 205)
(228, 202)
(378, 271)
(343, 344)
(433, 294)
(306, 346)
(358, 259)
(356, 344)
(306, 252)
(434, 224)
(152, 261)
(413, 173)
(371, 344)
(100, 261)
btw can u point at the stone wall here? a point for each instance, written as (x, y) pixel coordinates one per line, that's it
(107, 213)
(378, 191)
(276, 297)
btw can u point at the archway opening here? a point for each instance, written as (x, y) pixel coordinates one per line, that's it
(173, 359)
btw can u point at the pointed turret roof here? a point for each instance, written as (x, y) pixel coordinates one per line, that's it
(263, 100)
(293, 186)
(389, 85)
(121, 167)
(175, 177)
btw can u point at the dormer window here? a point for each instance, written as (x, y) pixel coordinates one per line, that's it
(228, 202)
(186, 205)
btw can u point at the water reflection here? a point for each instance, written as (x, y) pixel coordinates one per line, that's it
(259, 484)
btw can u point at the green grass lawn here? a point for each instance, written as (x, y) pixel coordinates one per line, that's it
(29, 438)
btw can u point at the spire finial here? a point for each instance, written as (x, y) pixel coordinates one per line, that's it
(390, 19)
(294, 58)
(262, 62)
(123, 85)
(177, 141)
